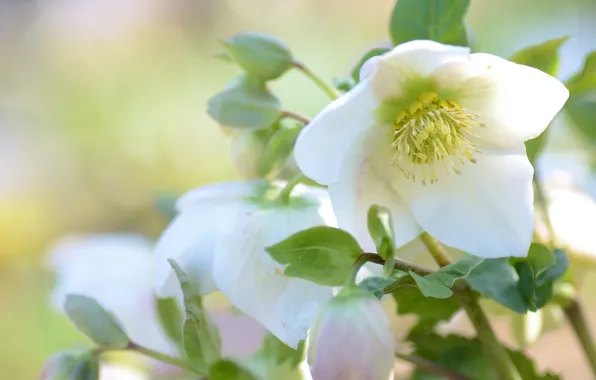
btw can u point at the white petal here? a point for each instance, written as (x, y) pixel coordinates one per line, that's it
(189, 240)
(116, 271)
(255, 283)
(221, 191)
(412, 60)
(365, 181)
(516, 102)
(486, 211)
(190, 237)
(322, 145)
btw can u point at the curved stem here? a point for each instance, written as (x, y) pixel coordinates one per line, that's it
(469, 302)
(578, 322)
(436, 249)
(296, 116)
(568, 300)
(330, 91)
(284, 195)
(430, 367)
(400, 265)
(162, 357)
(542, 204)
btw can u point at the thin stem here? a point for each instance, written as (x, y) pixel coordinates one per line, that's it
(468, 300)
(566, 295)
(330, 91)
(296, 116)
(284, 195)
(436, 249)
(576, 318)
(162, 357)
(430, 367)
(542, 204)
(496, 352)
(400, 265)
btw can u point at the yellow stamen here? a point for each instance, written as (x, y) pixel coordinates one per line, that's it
(430, 132)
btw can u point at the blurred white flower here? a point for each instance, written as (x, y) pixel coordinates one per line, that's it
(219, 238)
(117, 271)
(352, 339)
(436, 135)
(572, 214)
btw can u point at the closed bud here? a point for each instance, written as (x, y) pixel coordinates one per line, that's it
(352, 339)
(248, 147)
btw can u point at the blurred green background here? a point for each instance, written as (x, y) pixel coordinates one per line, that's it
(102, 108)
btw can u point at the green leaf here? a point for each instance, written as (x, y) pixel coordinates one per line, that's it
(437, 20)
(540, 258)
(368, 55)
(166, 205)
(430, 311)
(586, 79)
(439, 283)
(95, 322)
(376, 285)
(380, 228)
(581, 111)
(323, 255)
(497, 280)
(344, 84)
(278, 149)
(201, 340)
(467, 357)
(556, 270)
(248, 103)
(526, 286)
(229, 370)
(535, 146)
(278, 352)
(544, 56)
(170, 317)
(71, 365)
(260, 55)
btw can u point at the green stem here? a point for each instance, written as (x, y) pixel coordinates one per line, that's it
(496, 352)
(162, 357)
(436, 249)
(468, 300)
(330, 91)
(430, 367)
(399, 264)
(296, 116)
(565, 294)
(543, 206)
(286, 192)
(576, 318)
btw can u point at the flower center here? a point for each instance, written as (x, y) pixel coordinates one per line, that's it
(432, 132)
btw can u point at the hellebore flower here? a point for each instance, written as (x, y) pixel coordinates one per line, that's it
(219, 238)
(436, 135)
(352, 340)
(116, 271)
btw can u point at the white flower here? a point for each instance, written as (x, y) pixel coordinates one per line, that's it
(436, 135)
(117, 271)
(572, 214)
(352, 339)
(219, 238)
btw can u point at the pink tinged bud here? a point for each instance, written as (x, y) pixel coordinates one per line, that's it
(352, 340)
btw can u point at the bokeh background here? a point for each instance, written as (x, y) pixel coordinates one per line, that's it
(102, 110)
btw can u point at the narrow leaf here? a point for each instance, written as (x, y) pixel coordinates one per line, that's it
(368, 55)
(95, 322)
(544, 56)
